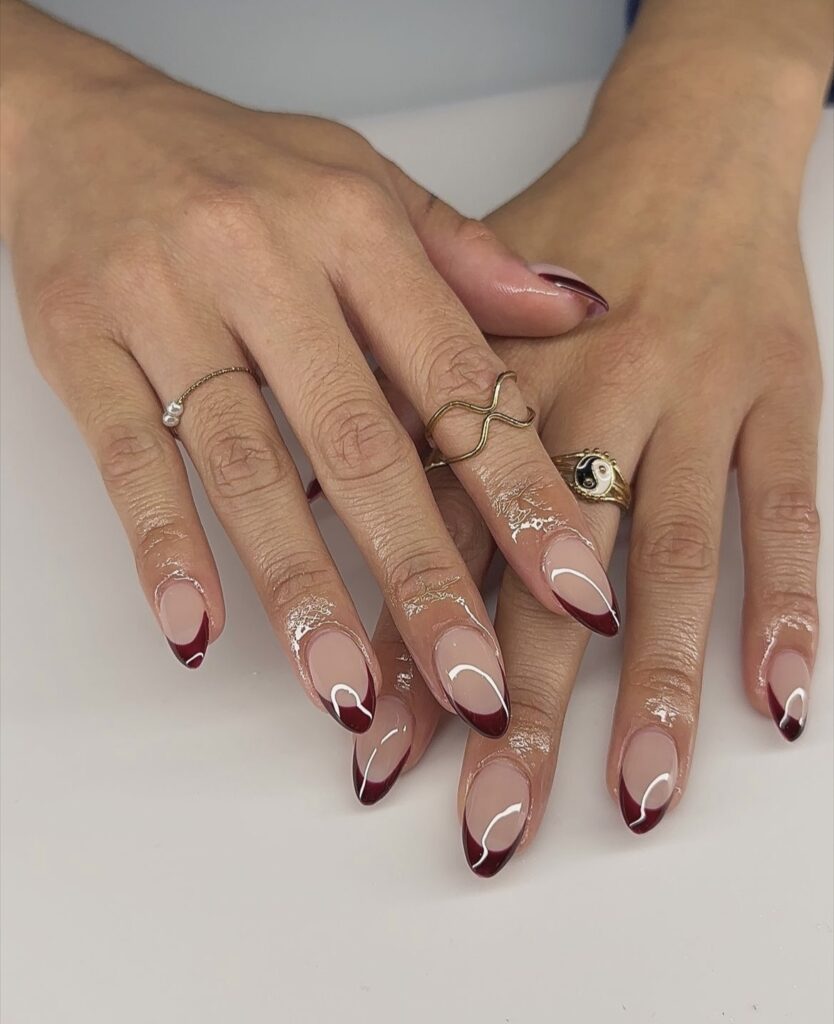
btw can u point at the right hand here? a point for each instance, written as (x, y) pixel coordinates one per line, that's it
(159, 233)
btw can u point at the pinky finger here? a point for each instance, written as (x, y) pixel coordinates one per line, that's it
(777, 465)
(120, 417)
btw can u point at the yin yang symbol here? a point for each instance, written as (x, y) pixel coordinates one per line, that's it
(595, 475)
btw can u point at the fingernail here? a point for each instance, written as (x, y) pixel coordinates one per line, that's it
(185, 622)
(581, 585)
(342, 679)
(379, 755)
(647, 778)
(472, 677)
(313, 489)
(788, 681)
(494, 817)
(567, 280)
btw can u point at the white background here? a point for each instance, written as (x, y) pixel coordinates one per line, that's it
(182, 848)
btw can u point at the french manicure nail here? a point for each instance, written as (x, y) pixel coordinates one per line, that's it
(567, 280)
(648, 775)
(581, 585)
(185, 622)
(494, 817)
(342, 679)
(788, 680)
(379, 755)
(472, 677)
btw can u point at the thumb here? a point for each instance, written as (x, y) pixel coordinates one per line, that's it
(502, 293)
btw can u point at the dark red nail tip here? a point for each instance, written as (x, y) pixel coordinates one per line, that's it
(368, 792)
(192, 655)
(607, 624)
(791, 728)
(492, 725)
(578, 287)
(355, 718)
(637, 821)
(313, 489)
(491, 864)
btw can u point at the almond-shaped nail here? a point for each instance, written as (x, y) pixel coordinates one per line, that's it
(472, 677)
(566, 280)
(648, 775)
(379, 755)
(185, 621)
(788, 681)
(581, 586)
(494, 817)
(342, 679)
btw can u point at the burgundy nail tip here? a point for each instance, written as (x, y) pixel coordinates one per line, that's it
(369, 793)
(639, 822)
(570, 284)
(492, 725)
(791, 728)
(353, 718)
(489, 865)
(607, 624)
(313, 489)
(193, 655)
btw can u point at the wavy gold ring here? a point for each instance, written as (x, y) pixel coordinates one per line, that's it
(593, 475)
(488, 412)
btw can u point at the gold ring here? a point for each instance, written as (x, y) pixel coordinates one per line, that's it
(172, 413)
(593, 475)
(488, 412)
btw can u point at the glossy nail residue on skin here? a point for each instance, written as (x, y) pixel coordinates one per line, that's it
(581, 586)
(494, 816)
(379, 755)
(648, 775)
(788, 681)
(341, 676)
(185, 621)
(473, 679)
(570, 282)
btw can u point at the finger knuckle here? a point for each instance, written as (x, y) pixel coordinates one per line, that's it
(359, 440)
(139, 265)
(228, 213)
(156, 538)
(414, 576)
(242, 462)
(64, 306)
(669, 690)
(465, 526)
(790, 510)
(679, 545)
(536, 702)
(129, 455)
(351, 196)
(455, 367)
(290, 577)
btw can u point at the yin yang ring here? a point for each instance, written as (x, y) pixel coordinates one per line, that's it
(593, 475)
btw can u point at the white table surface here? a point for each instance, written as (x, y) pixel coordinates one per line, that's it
(187, 848)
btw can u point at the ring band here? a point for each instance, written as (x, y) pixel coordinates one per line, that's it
(593, 475)
(172, 412)
(488, 412)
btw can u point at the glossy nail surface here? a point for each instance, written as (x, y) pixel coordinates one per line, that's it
(570, 282)
(494, 817)
(648, 775)
(581, 585)
(379, 755)
(472, 677)
(340, 674)
(788, 681)
(185, 622)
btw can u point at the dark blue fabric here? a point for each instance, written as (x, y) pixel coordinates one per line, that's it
(633, 6)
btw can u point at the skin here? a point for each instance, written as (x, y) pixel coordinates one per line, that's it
(159, 233)
(708, 362)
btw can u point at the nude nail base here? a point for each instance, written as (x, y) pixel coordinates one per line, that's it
(355, 717)
(368, 792)
(192, 654)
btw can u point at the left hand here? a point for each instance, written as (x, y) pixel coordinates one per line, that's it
(708, 359)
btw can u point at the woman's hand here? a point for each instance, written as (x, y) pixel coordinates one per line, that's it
(159, 234)
(708, 360)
